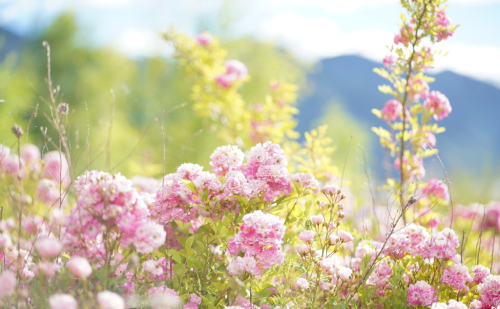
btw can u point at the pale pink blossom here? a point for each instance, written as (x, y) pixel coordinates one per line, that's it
(437, 104)
(392, 110)
(163, 297)
(302, 283)
(307, 236)
(436, 188)
(245, 265)
(204, 38)
(79, 266)
(7, 283)
(389, 62)
(48, 247)
(56, 167)
(225, 158)
(110, 300)
(62, 301)
(345, 236)
(302, 249)
(317, 219)
(237, 68)
(421, 293)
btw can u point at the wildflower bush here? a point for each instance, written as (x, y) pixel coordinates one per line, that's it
(268, 225)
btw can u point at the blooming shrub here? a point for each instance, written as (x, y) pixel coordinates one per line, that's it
(267, 227)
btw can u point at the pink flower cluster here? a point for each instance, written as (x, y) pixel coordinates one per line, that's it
(235, 70)
(456, 276)
(421, 294)
(436, 188)
(489, 293)
(437, 104)
(392, 110)
(419, 89)
(266, 171)
(260, 237)
(306, 180)
(416, 241)
(226, 158)
(413, 168)
(445, 27)
(109, 208)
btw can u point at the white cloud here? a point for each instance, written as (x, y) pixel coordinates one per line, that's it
(322, 38)
(336, 5)
(352, 5)
(137, 42)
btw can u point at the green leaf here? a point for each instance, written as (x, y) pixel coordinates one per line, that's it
(189, 184)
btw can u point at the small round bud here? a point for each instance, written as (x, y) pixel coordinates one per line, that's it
(341, 206)
(63, 109)
(341, 214)
(342, 197)
(18, 132)
(322, 204)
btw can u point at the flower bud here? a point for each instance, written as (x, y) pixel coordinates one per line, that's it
(18, 132)
(63, 109)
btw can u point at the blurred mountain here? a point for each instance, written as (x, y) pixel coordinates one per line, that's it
(472, 138)
(8, 42)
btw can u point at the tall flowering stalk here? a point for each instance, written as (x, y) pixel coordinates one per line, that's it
(411, 137)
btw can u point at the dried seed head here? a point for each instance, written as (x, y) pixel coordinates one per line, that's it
(18, 132)
(63, 109)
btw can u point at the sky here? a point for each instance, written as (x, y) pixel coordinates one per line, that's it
(311, 29)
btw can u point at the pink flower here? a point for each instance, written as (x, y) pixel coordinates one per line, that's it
(419, 89)
(5, 241)
(225, 80)
(31, 155)
(489, 291)
(48, 247)
(307, 235)
(392, 110)
(344, 273)
(306, 180)
(79, 266)
(204, 38)
(436, 188)
(56, 167)
(330, 190)
(421, 293)
(7, 283)
(302, 249)
(345, 236)
(429, 139)
(195, 299)
(237, 68)
(245, 265)
(480, 273)
(456, 276)
(327, 264)
(438, 104)
(389, 62)
(301, 283)
(4, 151)
(62, 301)
(163, 298)
(48, 269)
(10, 164)
(261, 236)
(318, 219)
(225, 158)
(110, 300)
(402, 37)
(48, 192)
